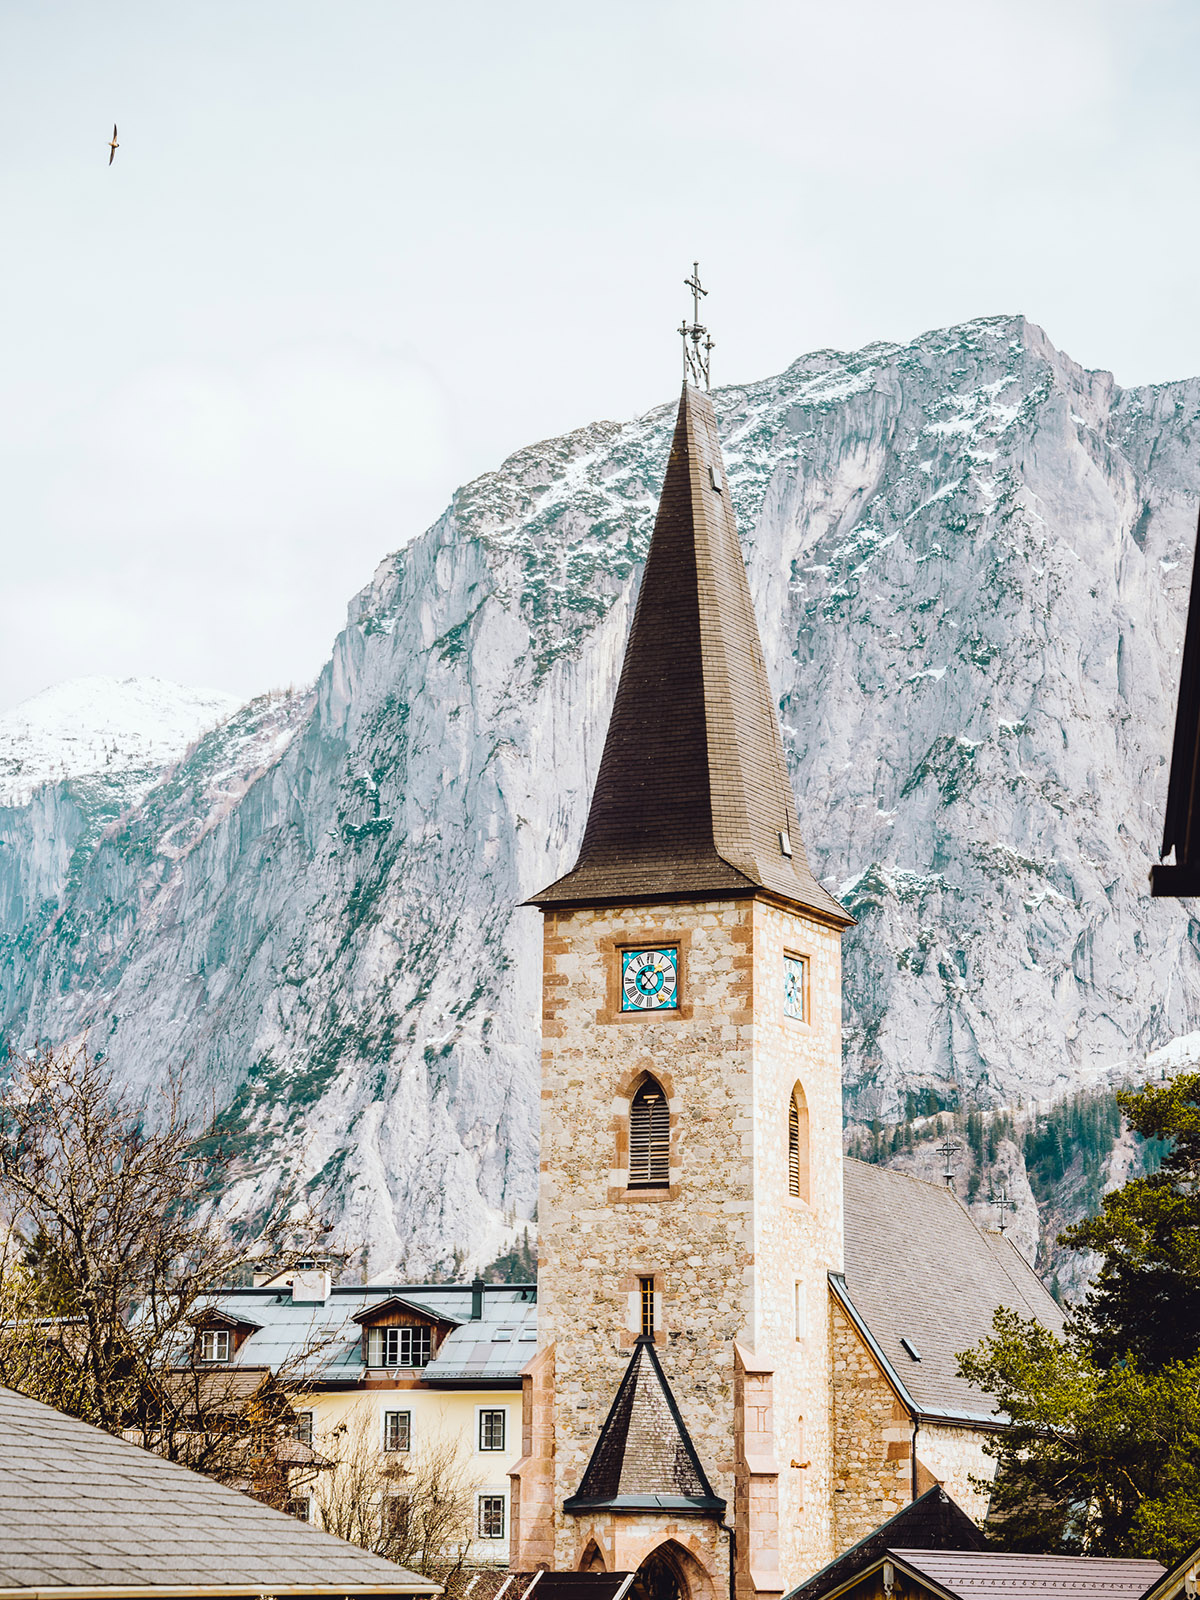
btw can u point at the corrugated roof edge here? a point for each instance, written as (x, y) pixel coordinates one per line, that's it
(989, 1419)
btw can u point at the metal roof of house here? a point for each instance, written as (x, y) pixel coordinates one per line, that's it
(918, 1268)
(693, 790)
(491, 1349)
(87, 1514)
(933, 1522)
(997, 1575)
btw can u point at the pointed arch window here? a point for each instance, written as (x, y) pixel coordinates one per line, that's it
(649, 1137)
(798, 1186)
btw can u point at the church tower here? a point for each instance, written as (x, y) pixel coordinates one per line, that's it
(677, 1412)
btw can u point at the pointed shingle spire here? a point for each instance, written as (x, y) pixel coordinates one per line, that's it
(693, 798)
(644, 1458)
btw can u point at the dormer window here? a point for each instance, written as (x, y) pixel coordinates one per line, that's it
(214, 1345)
(399, 1347)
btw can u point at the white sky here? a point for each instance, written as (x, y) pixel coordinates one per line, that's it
(351, 254)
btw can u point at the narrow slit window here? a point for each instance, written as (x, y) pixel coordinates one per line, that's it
(646, 1287)
(649, 1138)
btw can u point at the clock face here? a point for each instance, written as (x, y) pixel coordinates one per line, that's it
(650, 979)
(795, 988)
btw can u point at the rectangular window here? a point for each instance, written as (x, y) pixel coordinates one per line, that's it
(801, 1311)
(399, 1347)
(795, 987)
(297, 1506)
(394, 1516)
(214, 1344)
(397, 1430)
(491, 1516)
(304, 1425)
(646, 1291)
(491, 1430)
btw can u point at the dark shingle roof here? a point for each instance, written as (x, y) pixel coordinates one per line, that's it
(932, 1522)
(644, 1458)
(918, 1268)
(693, 789)
(82, 1510)
(998, 1575)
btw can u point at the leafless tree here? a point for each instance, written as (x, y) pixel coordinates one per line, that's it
(109, 1255)
(414, 1507)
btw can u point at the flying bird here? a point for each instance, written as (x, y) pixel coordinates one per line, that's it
(113, 146)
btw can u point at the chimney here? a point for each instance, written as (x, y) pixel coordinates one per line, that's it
(311, 1287)
(476, 1298)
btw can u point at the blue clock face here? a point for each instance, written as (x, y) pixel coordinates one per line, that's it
(650, 979)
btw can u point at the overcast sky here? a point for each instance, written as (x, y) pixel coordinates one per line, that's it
(351, 254)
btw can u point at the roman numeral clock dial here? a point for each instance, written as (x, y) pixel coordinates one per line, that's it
(650, 980)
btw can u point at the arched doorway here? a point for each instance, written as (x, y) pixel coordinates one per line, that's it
(670, 1573)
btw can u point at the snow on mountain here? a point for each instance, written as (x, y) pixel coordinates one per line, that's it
(970, 560)
(102, 726)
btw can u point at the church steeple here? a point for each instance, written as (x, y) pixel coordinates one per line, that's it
(693, 798)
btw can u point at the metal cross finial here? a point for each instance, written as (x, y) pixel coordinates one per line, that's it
(697, 346)
(946, 1150)
(1002, 1204)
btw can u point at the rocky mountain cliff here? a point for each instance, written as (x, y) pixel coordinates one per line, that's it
(969, 558)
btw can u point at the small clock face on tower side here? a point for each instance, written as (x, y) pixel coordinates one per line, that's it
(650, 979)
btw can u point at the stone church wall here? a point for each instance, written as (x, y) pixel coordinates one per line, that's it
(872, 1439)
(954, 1456)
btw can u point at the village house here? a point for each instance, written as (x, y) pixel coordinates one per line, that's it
(388, 1374)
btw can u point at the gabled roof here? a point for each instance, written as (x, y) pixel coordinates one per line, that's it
(214, 1317)
(1000, 1575)
(931, 1522)
(644, 1458)
(83, 1511)
(918, 1268)
(693, 792)
(396, 1302)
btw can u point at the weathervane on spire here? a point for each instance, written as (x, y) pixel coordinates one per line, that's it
(697, 346)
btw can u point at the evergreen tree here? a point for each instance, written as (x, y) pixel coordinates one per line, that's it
(1145, 1301)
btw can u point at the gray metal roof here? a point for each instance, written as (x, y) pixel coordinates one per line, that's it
(995, 1575)
(919, 1268)
(84, 1511)
(491, 1349)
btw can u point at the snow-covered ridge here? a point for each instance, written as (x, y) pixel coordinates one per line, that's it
(102, 726)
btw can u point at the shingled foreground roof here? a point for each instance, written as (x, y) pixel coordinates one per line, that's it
(693, 793)
(83, 1512)
(918, 1268)
(644, 1459)
(998, 1575)
(931, 1522)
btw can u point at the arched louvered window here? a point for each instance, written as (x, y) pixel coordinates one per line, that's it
(798, 1145)
(649, 1137)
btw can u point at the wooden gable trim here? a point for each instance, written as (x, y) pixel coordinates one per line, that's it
(395, 1312)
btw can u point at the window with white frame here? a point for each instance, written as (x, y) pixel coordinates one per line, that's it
(399, 1347)
(298, 1506)
(491, 1428)
(304, 1427)
(397, 1430)
(491, 1516)
(214, 1344)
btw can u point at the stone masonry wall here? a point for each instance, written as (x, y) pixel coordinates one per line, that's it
(797, 1241)
(954, 1456)
(725, 1244)
(872, 1439)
